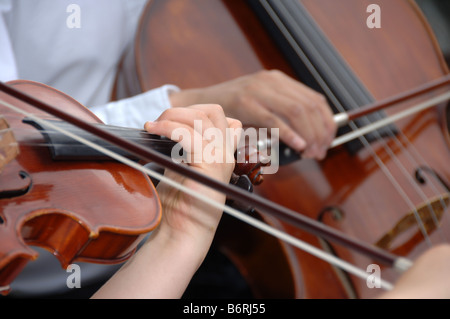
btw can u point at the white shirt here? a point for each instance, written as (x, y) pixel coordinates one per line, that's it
(37, 43)
(77, 56)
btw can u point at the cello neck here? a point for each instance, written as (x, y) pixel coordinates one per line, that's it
(317, 62)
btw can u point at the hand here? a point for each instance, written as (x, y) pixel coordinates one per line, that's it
(428, 278)
(165, 264)
(182, 215)
(271, 99)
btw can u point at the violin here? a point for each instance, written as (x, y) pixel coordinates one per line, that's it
(388, 188)
(77, 216)
(53, 186)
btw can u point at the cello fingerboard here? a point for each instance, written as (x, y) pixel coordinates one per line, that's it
(318, 64)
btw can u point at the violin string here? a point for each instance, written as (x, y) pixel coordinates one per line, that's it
(145, 136)
(85, 134)
(302, 55)
(403, 263)
(82, 133)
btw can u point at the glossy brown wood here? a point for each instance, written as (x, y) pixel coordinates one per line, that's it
(200, 43)
(86, 211)
(164, 26)
(398, 57)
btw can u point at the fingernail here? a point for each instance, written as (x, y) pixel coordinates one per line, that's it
(298, 143)
(148, 125)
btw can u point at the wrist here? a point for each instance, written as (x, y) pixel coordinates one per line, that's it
(178, 251)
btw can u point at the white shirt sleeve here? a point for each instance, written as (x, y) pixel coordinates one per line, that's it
(8, 68)
(135, 111)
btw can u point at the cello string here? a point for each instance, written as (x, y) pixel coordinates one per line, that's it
(336, 142)
(391, 119)
(401, 264)
(412, 110)
(299, 51)
(394, 137)
(418, 190)
(82, 133)
(353, 104)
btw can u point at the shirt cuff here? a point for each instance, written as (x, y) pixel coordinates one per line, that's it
(135, 111)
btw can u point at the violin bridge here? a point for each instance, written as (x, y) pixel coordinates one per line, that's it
(430, 214)
(9, 148)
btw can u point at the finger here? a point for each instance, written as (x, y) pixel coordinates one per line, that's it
(324, 123)
(193, 142)
(190, 140)
(278, 94)
(329, 123)
(233, 123)
(306, 111)
(234, 132)
(214, 112)
(313, 127)
(193, 116)
(320, 103)
(294, 118)
(266, 119)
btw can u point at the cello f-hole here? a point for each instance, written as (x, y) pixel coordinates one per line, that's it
(337, 215)
(420, 177)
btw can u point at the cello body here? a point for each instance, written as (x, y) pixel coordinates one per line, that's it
(369, 193)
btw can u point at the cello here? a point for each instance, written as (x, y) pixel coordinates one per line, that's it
(371, 189)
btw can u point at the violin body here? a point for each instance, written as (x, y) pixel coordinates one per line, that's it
(369, 193)
(84, 210)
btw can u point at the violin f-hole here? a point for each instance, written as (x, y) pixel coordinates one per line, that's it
(19, 183)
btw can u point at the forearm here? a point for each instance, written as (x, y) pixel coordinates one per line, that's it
(165, 264)
(162, 268)
(427, 278)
